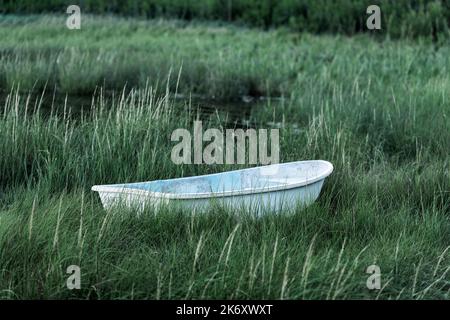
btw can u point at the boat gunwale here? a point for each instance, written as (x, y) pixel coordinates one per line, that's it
(203, 195)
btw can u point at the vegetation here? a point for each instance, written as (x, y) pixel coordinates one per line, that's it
(401, 18)
(38, 53)
(379, 111)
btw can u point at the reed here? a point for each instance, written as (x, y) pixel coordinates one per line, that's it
(377, 110)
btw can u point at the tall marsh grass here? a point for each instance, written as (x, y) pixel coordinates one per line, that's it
(373, 210)
(44, 53)
(377, 111)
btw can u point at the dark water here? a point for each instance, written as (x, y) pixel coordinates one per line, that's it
(236, 112)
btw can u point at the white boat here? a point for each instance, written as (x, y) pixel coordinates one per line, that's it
(262, 189)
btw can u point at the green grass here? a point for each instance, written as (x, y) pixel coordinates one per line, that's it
(41, 52)
(379, 111)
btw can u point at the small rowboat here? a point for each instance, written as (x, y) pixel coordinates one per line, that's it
(269, 188)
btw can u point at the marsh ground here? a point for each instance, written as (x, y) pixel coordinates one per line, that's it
(377, 109)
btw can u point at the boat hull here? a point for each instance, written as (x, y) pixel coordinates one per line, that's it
(259, 190)
(258, 203)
